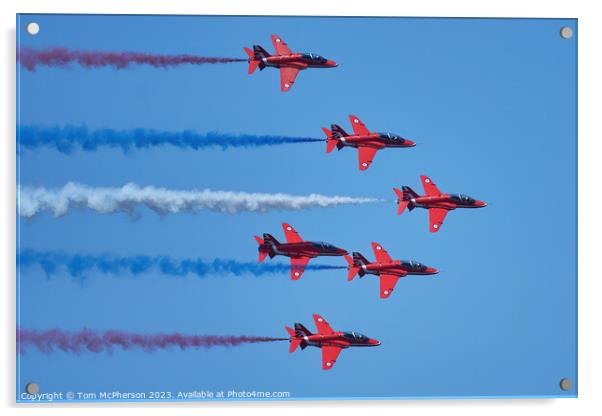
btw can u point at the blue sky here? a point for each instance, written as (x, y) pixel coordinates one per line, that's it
(492, 106)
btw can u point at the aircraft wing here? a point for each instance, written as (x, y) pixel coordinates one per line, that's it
(298, 266)
(382, 256)
(358, 126)
(366, 155)
(436, 217)
(287, 78)
(430, 189)
(322, 326)
(387, 284)
(329, 356)
(290, 234)
(280, 46)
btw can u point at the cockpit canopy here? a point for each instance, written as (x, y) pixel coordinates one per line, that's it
(392, 137)
(355, 336)
(461, 199)
(313, 58)
(324, 246)
(413, 265)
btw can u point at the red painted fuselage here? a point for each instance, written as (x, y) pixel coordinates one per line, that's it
(437, 202)
(338, 339)
(366, 141)
(377, 140)
(297, 60)
(329, 341)
(299, 251)
(304, 249)
(388, 270)
(446, 201)
(288, 62)
(397, 268)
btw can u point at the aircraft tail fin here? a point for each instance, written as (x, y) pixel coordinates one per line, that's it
(255, 58)
(263, 251)
(404, 198)
(295, 342)
(408, 192)
(259, 53)
(331, 142)
(301, 330)
(353, 268)
(297, 336)
(337, 131)
(290, 331)
(269, 238)
(358, 261)
(253, 63)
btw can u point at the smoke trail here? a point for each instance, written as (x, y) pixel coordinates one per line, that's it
(163, 201)
(66, 139)
(78, 265)
(88, 340)
(61, 57)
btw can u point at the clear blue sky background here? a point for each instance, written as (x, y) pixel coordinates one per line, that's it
(492, 106)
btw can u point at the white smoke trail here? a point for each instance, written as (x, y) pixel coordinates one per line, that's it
(107, 200)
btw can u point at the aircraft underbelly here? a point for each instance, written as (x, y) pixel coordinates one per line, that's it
(370, 271)
(435, 205)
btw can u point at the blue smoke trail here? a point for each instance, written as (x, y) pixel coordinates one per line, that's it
(77, 265)
(68, 138)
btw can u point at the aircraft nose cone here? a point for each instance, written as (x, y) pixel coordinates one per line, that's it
(431, 270)
(410, 143)
(480, 204)
(374, 342)
(331, 63)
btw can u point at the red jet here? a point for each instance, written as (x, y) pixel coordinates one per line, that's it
(289, 63)
(386, 268)
(366, 142)
(434, 200)
(329, 341)
(298, 250)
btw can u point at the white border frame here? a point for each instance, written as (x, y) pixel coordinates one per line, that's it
(590, 136)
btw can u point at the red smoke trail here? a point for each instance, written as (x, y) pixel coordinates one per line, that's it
(88, 340)
(61, 57)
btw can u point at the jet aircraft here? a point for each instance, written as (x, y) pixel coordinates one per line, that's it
(298, 250)
(288, 62)
(327, 339)
(386, 268)
(438, 203)
(366, 142)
